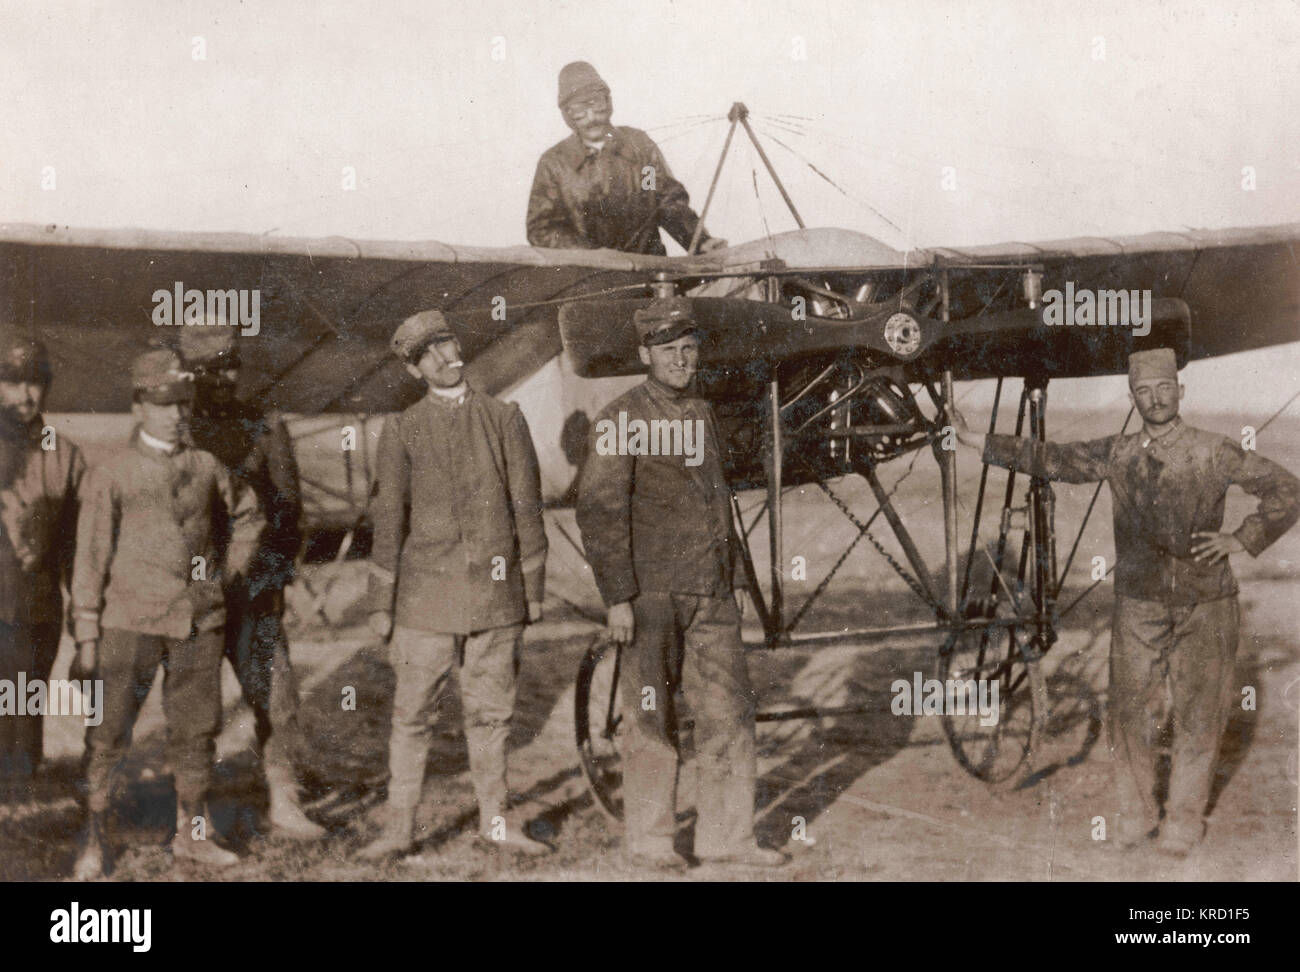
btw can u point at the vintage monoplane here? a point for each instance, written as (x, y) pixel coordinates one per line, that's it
(827, 354)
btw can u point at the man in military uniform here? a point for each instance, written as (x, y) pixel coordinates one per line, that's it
(606, 186)
(1176, 611)
(161, 527)
(458, 561)
(40, 477)
(658, 534)
(256, 449)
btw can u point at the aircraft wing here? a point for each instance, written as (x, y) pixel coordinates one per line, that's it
(1212, 292)
(1242, 286)
(328, 305)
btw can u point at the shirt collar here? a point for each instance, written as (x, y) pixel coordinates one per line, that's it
(158, 445)
(449, 396)
(1168, 439)
(576, 153)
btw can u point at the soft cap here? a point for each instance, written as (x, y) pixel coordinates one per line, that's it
(1156, 363)
(23, 357)
(579, 78)
(417, 332)
(664, 320)
(201, 346)
(158, 377)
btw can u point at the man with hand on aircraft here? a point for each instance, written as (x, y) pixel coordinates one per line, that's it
(255, 447)
(40, 478)
(1176, 611)
(459, 564)
(606, 186)
(658, 534)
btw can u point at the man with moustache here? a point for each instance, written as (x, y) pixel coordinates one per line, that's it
(1176, 612)
(40, 478)
(658, 534)
(255, 448)
(458, 568)
(606, 186)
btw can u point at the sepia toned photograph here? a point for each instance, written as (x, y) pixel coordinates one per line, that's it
(638, 441)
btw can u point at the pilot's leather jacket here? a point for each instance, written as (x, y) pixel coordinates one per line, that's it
(586, 198)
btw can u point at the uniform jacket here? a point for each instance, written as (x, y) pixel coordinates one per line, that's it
(144, 516)
(583, 199)
(458, 487)
(1163, 491)
(255, 447)
(38, 522)
(651, 523)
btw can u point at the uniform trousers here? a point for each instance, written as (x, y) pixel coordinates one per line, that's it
(693, 643)
(127, 664)
(488, 665)
(28, 648)
(1169, 661)
(259, 652)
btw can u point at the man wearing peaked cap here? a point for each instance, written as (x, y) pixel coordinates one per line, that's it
(664, 320)
(458, 568)
(40, 477)
(605, 186)
(657, 530)
(255, 448)
(162, 528)
(417, 332)
(159, 378)
(1174, 630)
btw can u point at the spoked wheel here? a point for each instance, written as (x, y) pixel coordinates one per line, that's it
(600, 727)
(995, 698)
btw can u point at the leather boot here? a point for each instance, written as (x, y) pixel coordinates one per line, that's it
(95, 859)
(397, 837)
(205, 851)
(287, 818)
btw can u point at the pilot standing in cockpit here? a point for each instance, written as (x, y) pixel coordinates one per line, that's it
(606, 185)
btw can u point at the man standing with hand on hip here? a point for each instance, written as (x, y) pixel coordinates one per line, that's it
(458, 568)
(1176, 611)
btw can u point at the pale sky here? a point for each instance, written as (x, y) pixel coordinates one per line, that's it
(1058, 118)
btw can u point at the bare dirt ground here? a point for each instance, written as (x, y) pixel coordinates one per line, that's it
(880, 795)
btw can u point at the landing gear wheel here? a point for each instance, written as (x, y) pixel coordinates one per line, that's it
(600, 726)
(997, 657)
